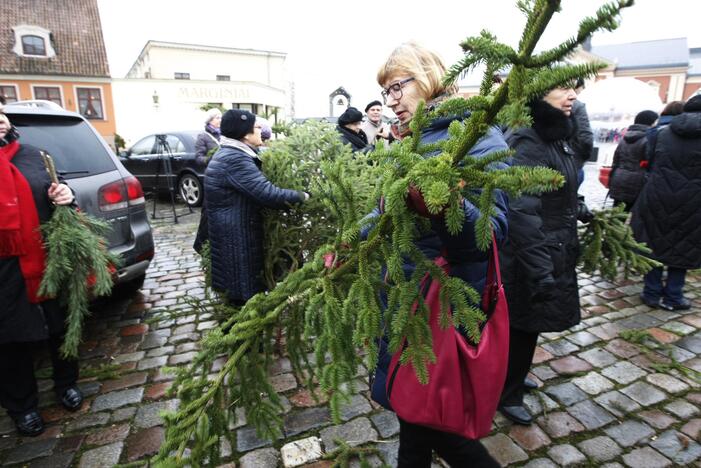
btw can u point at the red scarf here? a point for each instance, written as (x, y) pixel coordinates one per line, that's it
(19, 222)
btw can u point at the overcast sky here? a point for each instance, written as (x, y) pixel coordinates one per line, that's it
(331, 44)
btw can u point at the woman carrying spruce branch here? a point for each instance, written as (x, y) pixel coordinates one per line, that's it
(410, 75)
(27, 197)
(237, 191)
(540, 255)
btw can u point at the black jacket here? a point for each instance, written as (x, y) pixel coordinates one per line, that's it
(627, 177)
(667, 215)
(542, 248)
(21, 321)
(358, 141)
(237, 191)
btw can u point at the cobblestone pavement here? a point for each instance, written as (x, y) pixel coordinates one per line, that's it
(602, 401)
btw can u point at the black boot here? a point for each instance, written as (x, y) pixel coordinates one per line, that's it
(29, 424)
(71, 398)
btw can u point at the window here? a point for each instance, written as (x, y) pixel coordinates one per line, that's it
(33, 45)
(60, 136)
(90, 103)
(33, 41)
(182, 76)
(223, 78)
(9, 93)
(176, 146)
(144, 146)
(48, 93)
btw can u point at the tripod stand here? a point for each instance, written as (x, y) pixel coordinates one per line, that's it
(165, 168)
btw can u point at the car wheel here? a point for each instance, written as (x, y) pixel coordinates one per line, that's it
(190, 189)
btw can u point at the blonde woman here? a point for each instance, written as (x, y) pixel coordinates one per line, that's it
(411, 74)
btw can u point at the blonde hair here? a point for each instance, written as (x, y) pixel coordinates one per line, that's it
(424, 65)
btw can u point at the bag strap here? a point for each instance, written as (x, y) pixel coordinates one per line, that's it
(493, 268)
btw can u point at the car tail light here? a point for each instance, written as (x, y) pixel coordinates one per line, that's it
(118, 195)
(135, 194)
(112, 196)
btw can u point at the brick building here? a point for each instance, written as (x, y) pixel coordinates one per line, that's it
(54, 50)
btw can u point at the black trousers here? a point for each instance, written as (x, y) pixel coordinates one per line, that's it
(417, 442)
(521, 350)
(18, 386)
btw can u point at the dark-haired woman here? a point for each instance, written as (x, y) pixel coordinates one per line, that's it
(540, 254)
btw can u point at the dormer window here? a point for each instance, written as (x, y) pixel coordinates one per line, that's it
(33, 45)
(33, 41)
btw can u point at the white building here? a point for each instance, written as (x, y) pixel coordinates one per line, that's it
(170, 82)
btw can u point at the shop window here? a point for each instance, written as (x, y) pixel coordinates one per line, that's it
(90, 103)
(182, 76)
(223, 78)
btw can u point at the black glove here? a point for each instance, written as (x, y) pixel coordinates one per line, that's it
(544, 290)
(583, 213)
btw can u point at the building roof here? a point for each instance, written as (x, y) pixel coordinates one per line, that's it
(201, 47)
(694, 61)
(76, 35)
(663, 53)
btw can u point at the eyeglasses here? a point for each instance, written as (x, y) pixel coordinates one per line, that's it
(395, 90)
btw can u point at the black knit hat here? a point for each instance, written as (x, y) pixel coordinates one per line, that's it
(373, 103)
(237, 123)
(646, 117)
(349, 116)
(693, 104)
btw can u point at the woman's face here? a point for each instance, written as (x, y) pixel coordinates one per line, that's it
(562, 99)
(254, 139)
(4, 128)
(404, 107)
(354, 126)
(216, 121)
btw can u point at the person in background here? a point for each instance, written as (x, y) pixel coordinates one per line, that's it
(28, 197)
(670, 110)
(373, 126)
(413, 73)
(667, 216)
(539, 257)
(350, 132)
(582, 137)
(237, 191)
(206, 142)
(209, 139)
(629, 161)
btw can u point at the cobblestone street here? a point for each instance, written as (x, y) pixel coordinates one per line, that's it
(607, 397)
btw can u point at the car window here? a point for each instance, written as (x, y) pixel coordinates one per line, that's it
(77, 151)
(143, 146)
(176, 146)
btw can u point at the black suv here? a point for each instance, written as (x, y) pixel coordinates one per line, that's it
(145, 159)
(102, 186)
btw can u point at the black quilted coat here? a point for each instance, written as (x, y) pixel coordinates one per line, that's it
(542, 245)
(237, 191)
(667, 215)
(627, 177)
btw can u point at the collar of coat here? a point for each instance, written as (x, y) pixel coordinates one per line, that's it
(550, 123)
(232, 143)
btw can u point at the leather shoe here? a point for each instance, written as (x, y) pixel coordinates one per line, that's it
(72, 398)
(517, 414)
(30, 424)
(685, 304)
(529, 384)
